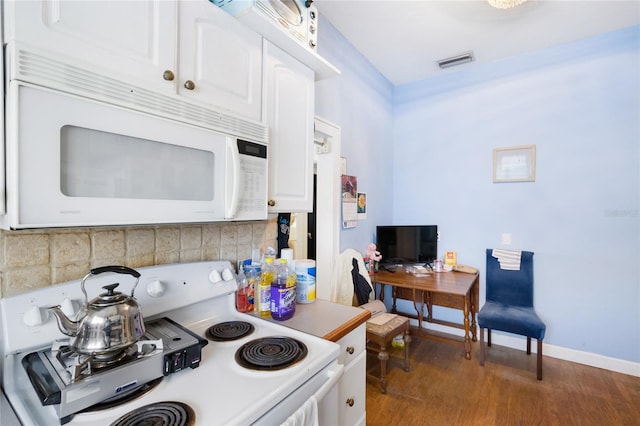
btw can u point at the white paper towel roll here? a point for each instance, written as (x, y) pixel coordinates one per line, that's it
(306, 280)
(287, 253)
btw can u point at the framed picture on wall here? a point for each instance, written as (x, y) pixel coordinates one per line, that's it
(349, 201)
(362, 205)
(514, 164)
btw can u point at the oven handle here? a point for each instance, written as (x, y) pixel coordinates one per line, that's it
(334, 374)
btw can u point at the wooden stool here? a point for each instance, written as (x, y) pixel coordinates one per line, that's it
(382, 335)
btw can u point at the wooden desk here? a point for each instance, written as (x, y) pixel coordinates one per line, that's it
(455, 290)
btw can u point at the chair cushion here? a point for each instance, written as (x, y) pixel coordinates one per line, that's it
(512, 319)
(390, 326)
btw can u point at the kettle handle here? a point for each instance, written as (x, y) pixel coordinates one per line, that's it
(115, 268)
(111, 268)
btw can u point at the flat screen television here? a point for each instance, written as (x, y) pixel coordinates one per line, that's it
(407, 244)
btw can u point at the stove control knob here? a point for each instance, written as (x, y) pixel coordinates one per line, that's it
(155, 288)
(214, 276)
(68, 308)
(227, 274)
(34, 316)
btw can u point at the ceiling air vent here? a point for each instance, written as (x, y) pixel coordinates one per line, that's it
(463, 58)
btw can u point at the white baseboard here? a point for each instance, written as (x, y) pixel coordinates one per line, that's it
(580, 357)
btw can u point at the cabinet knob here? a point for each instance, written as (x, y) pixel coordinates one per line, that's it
(271, 203)
(168, 75)
(350, 350)
(189, 85)
(350, 402)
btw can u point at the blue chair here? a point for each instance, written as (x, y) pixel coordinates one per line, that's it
(509, 305)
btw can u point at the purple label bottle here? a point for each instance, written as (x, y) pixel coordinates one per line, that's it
(283, 293)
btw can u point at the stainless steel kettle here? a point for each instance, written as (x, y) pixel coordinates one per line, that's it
(109, 323)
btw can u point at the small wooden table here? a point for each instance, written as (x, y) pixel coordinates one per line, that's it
(455, 290)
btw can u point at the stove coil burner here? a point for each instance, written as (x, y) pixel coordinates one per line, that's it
(166, 413)
(229, 330)
(271, 353)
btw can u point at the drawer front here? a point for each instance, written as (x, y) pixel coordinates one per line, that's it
(405, 293)
(352, 345)
(447, 300)
(352, 391)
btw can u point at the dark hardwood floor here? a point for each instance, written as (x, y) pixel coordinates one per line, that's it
(443, 388)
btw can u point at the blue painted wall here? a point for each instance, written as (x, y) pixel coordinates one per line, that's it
(424, 155)
(360, 102)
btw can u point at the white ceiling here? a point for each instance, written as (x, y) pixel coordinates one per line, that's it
(404, 39)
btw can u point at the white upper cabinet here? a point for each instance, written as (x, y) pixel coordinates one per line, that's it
(289, 114)
(220, 61)
(128, 39)
(190, 48)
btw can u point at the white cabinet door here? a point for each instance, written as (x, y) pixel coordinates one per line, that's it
(352, 391)
(129, 40)
(352, 388)
(220, 61)
(289, 115)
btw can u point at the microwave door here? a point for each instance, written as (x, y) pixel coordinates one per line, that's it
(72, 161)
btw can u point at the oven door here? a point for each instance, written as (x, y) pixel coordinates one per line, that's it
(72, 161)
(321, 390)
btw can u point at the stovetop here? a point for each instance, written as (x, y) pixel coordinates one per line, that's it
(220, 391)
(73, 382)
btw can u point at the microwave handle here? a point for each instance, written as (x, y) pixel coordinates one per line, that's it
(232, 207)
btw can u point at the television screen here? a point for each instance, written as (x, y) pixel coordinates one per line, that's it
(404, 244)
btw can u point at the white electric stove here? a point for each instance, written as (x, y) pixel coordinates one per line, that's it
(228, 378)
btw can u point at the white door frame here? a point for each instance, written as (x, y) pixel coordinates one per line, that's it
(327, 205)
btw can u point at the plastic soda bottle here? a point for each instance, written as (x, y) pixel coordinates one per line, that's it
(283, 293)
(263, 293)
(242, 293)
(252, 272)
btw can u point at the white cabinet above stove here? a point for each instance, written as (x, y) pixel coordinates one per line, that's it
(189, 48)
(219, 61)
(133, 40)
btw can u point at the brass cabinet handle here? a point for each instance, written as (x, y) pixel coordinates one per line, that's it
(168, 75)
(350, 402)
(189, 85)
(271, 203)
(350, 350)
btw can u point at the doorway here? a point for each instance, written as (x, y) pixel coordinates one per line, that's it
(311, 222)
(325, 239)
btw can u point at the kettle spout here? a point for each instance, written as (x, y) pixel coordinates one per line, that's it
(66, 325)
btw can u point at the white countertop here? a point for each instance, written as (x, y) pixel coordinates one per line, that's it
(325, 319)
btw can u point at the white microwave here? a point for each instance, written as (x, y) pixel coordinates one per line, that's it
(298, 19)
(73, 161)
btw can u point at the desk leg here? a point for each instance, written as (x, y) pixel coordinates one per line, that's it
(473, 295)
(467, 340)
(420, 311)
(474, 326)
(381, 298)
(394, 293)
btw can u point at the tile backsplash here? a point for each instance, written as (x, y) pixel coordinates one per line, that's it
(38, 258)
